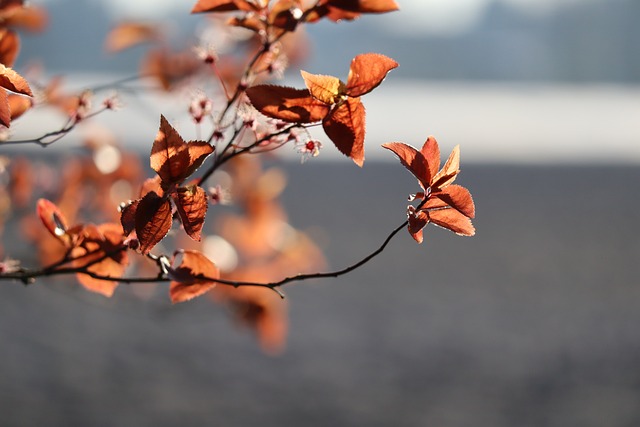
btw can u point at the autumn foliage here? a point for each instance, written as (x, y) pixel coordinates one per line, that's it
(107, 223)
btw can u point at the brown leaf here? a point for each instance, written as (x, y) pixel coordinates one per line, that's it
(53, 220)
(367, 72)
(13, 81)
(129, 34)
(128, 217)
(174, 159)
(453, 220)
(327, 89)
(413, 160)
(223, 6)
(191, 203)
(345, 126)
(287, 104)
(5, 109)
(9, 46)
(192, 277)
(153, 221)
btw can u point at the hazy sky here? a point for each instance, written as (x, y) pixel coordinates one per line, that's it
(439, 16)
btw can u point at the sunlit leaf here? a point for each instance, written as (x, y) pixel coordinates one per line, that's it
(18, 105)
(417, 221)
(287, 104)
(327, 89)
(153, 221)
(128, 217)
(53, 220)
(431, 153)
(364, 6)
(449, 171)
(191, 203)
(367, 72)
(13, 81)
(345, 126)
(223, 6)
(31, 18)
(192, 277)
(453, 220)
(411, 159)
(458, 198)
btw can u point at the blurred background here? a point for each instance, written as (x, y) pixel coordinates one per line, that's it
(532, 322)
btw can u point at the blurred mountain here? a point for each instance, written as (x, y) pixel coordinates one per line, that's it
(585, 41)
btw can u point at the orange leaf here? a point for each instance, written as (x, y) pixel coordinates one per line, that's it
(327, 89)
(129, 34)
(417, 221)
(449, 171)
(53, 220)
(31, 18)
(191, 203)
(413, 160)
(128, 217)
(5, 110)
(192, 277)
(287, 104)
(174, 159)
(431, 153)
(18, 105)
(367, 72)
(223, 6)
(9, 46)
(153, 221)
(102, 244)
(13, 81)
(453, 220)
(364, 6)
(458, 198)
(345, 126)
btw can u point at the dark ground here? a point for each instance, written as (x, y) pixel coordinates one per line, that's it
(533, 322)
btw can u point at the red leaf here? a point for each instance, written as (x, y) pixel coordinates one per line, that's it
(287, 104)
(153, 221)
(128, 217)
(453, 220)
(417, 221)
(367, 72)
(431, 153)
(13, 81)
(326, 89)
(174, 159)
(458, 198)
(413, 160)
(192, 276)
(223, 6)
(191, 203)
(53, 221)
(5, 111)
(345, 126)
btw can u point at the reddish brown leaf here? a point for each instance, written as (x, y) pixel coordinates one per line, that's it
(281, 14)
(174, 159)
(453, 220)
(458, 198)
(31, 18)
(364, 6)
(449, 171)
(153, 221)
(191, 203)
(417, 221)
(53, 220)
(192, 277)
(13, 81)
(9, 46)
(223, 6)
(367, 72)
(326, 89)
(287, 104)
(345, 126)
(129, 34)
(413, 160)
(128, 217)
(431, 153)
